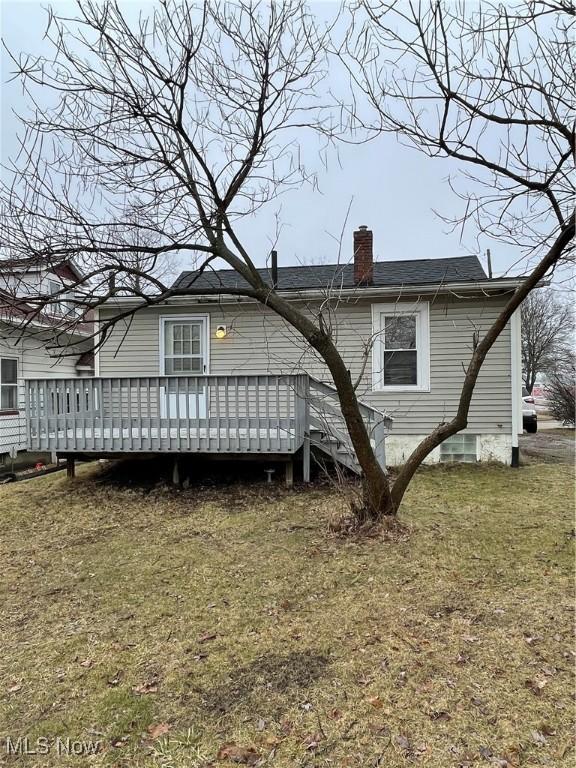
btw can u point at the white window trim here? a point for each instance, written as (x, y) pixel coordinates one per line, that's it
(422, 311)
(16, 384)
(185, 318)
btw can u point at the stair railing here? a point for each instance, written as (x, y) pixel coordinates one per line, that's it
(326, 416)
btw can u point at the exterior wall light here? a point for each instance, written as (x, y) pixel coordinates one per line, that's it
(221, 332)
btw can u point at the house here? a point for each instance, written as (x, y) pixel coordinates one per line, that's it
(33, 342)
(222, 373)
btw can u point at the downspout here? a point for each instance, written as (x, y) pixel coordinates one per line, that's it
(516, 383)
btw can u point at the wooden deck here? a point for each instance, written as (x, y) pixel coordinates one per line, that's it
(238, 414)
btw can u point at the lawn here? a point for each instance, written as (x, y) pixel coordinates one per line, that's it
(218, 623)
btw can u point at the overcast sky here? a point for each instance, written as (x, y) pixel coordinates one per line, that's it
(391, 188)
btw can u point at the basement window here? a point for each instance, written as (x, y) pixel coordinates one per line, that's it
(460, 448)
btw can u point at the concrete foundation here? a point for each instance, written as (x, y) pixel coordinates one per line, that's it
(489, 448)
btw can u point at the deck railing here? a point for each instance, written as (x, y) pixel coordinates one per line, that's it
(249, 413)
(208, 414)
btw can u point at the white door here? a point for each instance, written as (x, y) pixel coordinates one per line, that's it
(185, 353)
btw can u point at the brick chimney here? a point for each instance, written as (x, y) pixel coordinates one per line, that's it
(363, 256)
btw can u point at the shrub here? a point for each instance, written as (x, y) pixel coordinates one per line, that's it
(562, 396)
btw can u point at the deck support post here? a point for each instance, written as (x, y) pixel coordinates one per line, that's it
(290, 473)
(176, 471)
(306, 458)
(70, 467)
(304, 418)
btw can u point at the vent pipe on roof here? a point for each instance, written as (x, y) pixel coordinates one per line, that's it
(489, 262)
(274, 268)
(363, 256)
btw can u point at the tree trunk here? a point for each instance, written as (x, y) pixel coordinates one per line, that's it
(460, 420)
(377, 497)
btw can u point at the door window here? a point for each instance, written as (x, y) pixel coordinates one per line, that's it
(184, 342)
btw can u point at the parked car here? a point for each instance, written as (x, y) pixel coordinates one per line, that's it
(529, 416)
(540, 392)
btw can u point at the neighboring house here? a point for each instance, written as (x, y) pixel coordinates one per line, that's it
(27, 340)
(214, 372)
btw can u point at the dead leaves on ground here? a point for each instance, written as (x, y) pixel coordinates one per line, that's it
(120, 741)
(116, 679)
(149, 686)
(158, 730)
(536, 685)
(411, 750)
(240, 755)
(404, 744)
(440, 714)
(312, 741)
(375, 701)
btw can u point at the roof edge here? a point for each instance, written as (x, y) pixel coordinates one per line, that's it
(470, 286)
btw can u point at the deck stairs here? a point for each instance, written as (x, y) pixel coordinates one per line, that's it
(328, 433)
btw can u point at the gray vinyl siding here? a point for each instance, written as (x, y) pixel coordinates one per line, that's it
(258, 341)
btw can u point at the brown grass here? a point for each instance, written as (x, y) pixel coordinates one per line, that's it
(165, 625)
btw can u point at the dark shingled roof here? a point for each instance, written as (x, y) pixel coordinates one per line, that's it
(386, 273)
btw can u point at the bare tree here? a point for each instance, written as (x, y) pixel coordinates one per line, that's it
(195, 112)
(489, 88)
(141, 258)
(547, 334)
(561, 390)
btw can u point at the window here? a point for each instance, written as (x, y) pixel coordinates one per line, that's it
(66, 305)
(70, 308)
(184, 346)
(8, 384)
(54, 287)
(460, 447)
(400, 354)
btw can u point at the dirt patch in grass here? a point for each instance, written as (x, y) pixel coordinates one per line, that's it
(245, 687)
(175, 626)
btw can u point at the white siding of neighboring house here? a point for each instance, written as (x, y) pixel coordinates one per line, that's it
(34, 361)
(21, 284)
(32, 284)
(260, 341)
